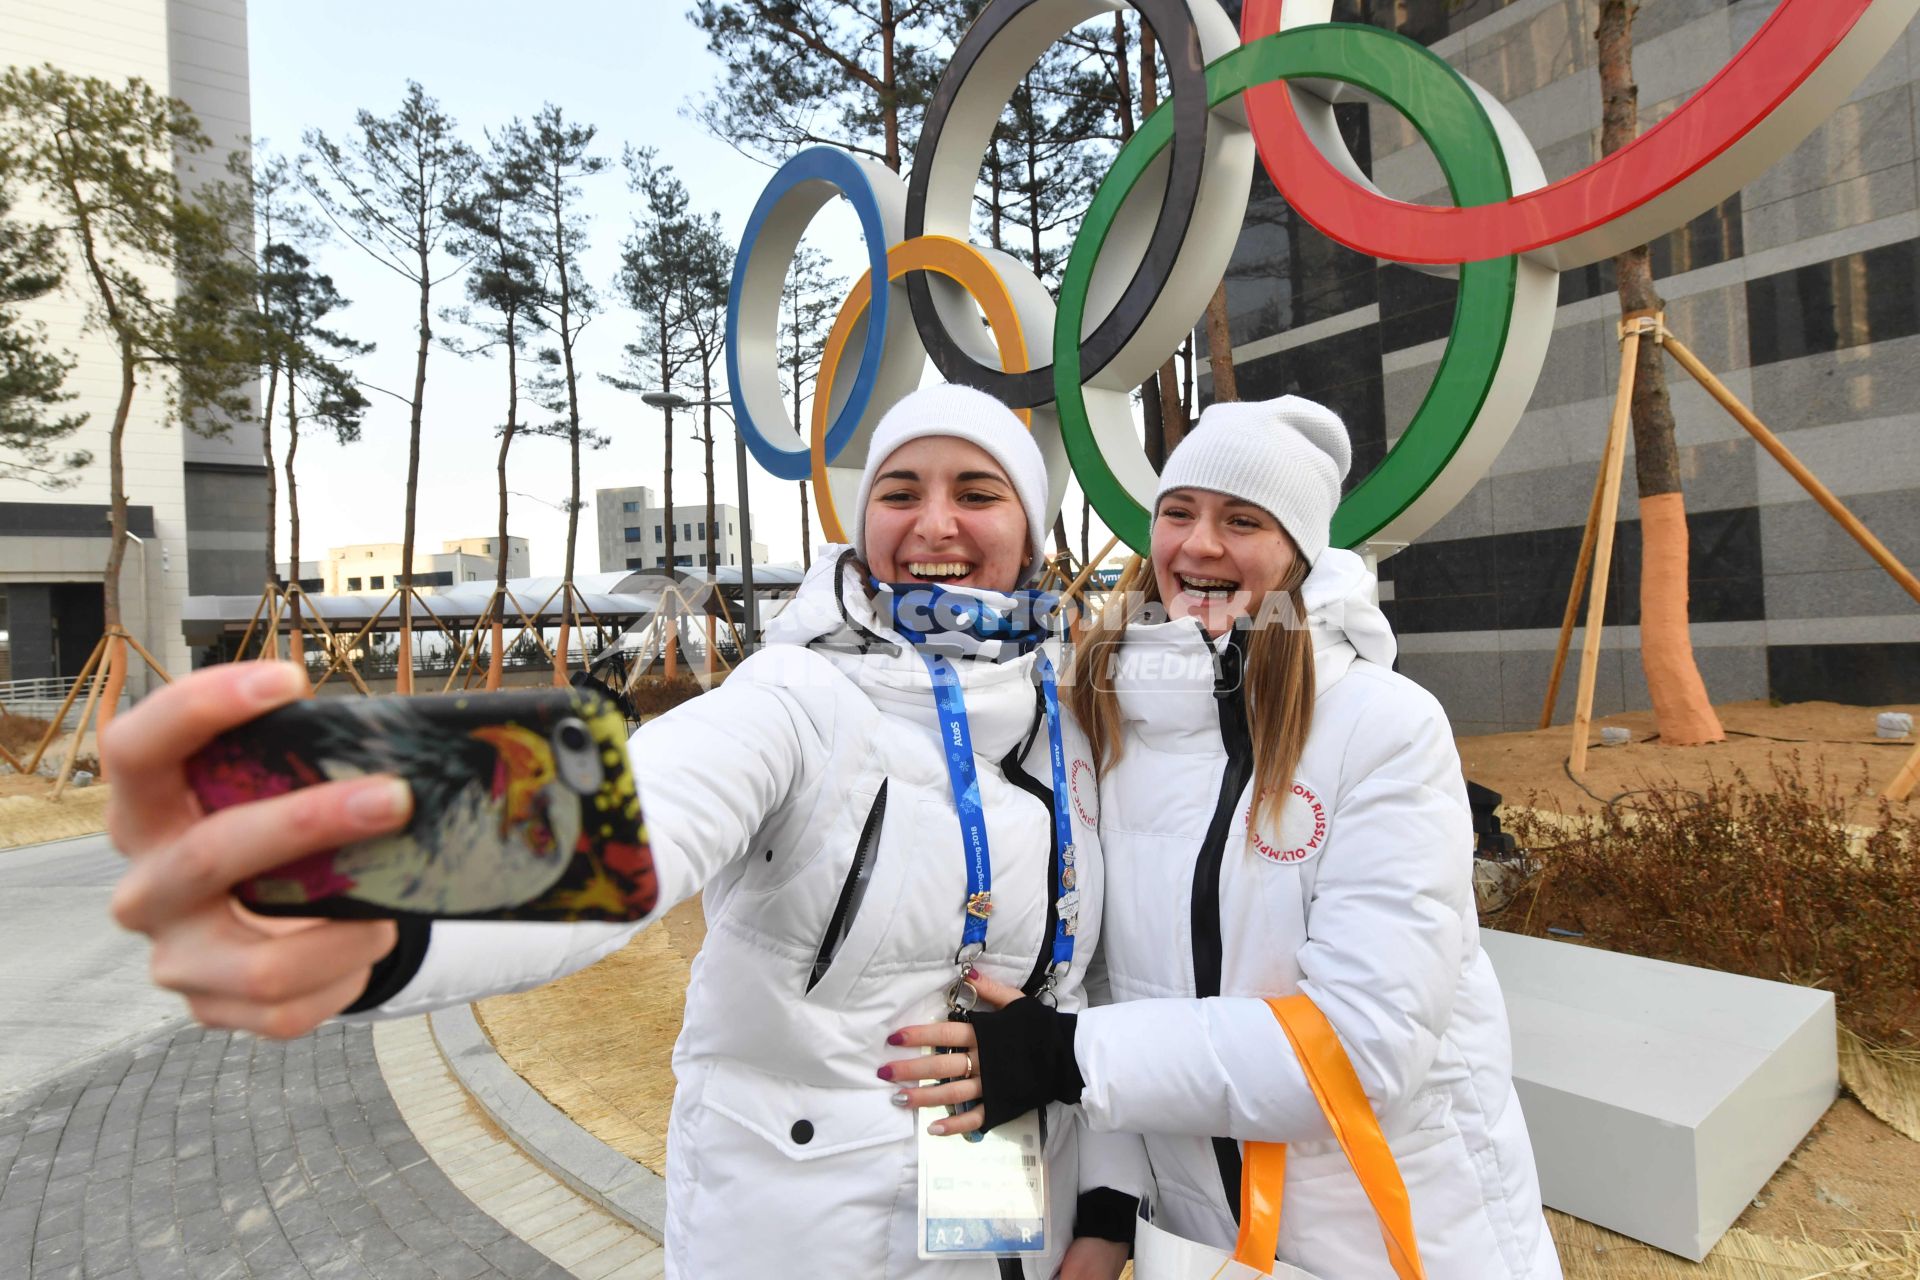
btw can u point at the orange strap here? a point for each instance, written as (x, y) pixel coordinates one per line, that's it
(1344, 1102)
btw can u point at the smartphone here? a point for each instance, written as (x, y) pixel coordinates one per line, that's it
(523, 806)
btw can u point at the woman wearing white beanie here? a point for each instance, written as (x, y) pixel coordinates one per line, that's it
(1281, 814)
(856, 875)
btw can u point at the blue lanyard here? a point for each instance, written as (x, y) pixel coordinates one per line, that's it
(950, 704)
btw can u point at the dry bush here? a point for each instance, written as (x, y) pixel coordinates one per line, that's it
(657, 694)
(1761, 880)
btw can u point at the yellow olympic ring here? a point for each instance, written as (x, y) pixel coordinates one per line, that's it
(958, 261)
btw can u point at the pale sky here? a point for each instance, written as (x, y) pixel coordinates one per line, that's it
(627, 68)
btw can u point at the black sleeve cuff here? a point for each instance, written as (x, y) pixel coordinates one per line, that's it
(1106, 1214)
(393, 971)
(1026, 1060)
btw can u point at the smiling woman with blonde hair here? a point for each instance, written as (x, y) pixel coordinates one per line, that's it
(1281, 815)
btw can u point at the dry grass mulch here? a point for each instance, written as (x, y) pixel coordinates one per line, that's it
(599, 1044)
(30, 815)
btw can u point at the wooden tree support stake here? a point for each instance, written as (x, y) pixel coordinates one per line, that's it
(1903, 782)
(53, 729)
(1795, 468)
(1612, 462)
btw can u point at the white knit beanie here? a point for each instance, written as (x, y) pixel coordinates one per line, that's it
(947, 409)
(1286, 456)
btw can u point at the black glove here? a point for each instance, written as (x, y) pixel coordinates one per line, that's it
(396, 969)
(1106, 1214)
(1026, 1060)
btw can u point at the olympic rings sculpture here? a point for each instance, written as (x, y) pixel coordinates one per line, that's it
(1163, 223)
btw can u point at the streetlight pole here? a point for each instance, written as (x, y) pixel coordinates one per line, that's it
(750, 602)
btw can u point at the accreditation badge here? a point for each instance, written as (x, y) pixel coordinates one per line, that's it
(985, 1198)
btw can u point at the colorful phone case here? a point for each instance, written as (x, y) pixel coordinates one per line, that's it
(524, 807)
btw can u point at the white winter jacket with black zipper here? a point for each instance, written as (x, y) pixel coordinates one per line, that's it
(808, 799)
(1361, 899)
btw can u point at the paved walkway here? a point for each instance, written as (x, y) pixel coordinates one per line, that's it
(71, 984)
(134, 1146)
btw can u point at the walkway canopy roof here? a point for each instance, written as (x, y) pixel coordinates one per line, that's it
(617, 599)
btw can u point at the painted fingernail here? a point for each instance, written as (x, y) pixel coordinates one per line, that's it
(973, 974)
(897, 1038)
(899, 1098)
(938, 1128)
(377, 801)
(272, 682)
(885, 1073)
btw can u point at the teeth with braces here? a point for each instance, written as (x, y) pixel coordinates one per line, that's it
(1211, 587)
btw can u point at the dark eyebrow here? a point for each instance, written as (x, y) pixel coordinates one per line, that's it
(1242, 502)
(966, 476)
(910, 477)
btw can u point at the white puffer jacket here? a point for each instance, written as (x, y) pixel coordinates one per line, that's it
(1362, 899)
(785, 1155)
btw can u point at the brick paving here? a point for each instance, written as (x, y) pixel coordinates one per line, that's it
(206, 1154)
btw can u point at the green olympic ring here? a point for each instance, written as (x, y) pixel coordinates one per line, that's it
(1450, 116)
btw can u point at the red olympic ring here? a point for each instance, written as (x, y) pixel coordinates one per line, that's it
(1787, 50)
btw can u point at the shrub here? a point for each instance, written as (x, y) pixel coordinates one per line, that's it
(1766, 881)
(657, 694)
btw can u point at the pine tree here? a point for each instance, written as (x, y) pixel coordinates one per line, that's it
(549, 157)
(493, 228)
(391, 188)
(849, 73)
(32, 376)
(299, 300)
(655, 260)
(809, 300)
(102, 159)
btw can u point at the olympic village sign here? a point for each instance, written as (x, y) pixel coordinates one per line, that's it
(1157, 237)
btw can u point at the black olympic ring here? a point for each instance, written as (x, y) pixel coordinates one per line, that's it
(1187, 74)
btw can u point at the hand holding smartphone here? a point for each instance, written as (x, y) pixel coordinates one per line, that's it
(524, 806)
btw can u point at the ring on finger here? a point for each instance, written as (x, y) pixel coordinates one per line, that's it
(968, 1073)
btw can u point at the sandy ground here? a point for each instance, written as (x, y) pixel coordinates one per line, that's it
(1838, 738)
(29, 814)
(598, 1044)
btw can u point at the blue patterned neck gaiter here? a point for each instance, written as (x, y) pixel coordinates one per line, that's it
(968, 621)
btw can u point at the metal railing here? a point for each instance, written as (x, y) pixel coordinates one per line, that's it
(41, 697)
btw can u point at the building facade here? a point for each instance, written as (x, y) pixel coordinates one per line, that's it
(633, 532)
(374, 567)
(1801, 292)
(199, 512)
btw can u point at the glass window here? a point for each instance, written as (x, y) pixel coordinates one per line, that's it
(353, 584)
(629, 506)
(658, 536)
(703, 528)
(636, 562)
(633, 533)
(378, 583)
(686, 530)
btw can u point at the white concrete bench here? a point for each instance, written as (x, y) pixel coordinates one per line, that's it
(1660, 1097)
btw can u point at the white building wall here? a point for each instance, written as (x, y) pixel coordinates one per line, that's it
(113, 39)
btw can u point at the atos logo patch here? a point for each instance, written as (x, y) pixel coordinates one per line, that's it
(1303, 829)
(1085, 790)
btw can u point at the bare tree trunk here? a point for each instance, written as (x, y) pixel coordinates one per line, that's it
(889, 86)
(496, 666)
(266, 443)
(403, 674)
(1172, 422)
(706, 424)
(113, 671)
(295, 649)
(806, 531)
(1682, 710)
(1220, 347)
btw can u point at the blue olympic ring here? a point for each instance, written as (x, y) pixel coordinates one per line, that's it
(797, 191)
